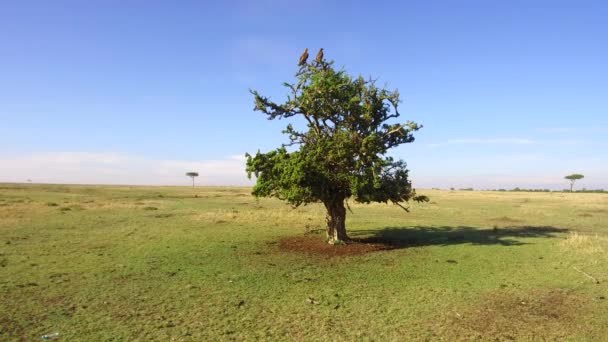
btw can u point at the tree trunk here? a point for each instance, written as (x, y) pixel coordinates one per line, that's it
(336, 221)
(571, 185)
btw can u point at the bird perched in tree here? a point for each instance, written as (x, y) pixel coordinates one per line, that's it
(304, 57)
(319, 58)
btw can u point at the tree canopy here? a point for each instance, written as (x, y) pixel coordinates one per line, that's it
(573, 178)
(192, 175)
(342, 152)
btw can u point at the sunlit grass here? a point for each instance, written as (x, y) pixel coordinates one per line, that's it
(171, 263)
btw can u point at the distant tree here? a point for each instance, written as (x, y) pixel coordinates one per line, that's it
(192, 175)
(573, 178)
(342, 152)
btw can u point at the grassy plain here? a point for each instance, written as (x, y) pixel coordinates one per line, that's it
(105, 263)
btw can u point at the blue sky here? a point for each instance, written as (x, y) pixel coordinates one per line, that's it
(510, 93)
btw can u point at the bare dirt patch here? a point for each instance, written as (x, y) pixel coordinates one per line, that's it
(550, 314)
(315, 245)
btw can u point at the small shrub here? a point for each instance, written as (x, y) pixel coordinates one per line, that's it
(52, 204)
(150, 208)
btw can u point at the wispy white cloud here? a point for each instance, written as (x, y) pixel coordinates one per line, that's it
(117, 168)
(516, 141)
(569, 142)
(573, 130)
(524, 170)
(552, 181)
(552, 130)
(485, 141)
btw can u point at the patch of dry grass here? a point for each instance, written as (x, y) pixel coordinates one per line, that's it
(591, 245)
(505, 315)
(307, 219)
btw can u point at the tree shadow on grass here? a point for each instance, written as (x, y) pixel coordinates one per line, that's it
(402, 237)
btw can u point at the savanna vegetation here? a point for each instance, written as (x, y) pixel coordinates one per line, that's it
(342, 150)
(102, 263)
(573, 178)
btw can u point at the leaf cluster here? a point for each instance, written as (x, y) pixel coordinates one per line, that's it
(342, 151)
(574, 176)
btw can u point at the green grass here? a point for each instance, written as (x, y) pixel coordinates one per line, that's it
(99, 263)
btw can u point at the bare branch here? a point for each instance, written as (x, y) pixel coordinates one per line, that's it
(401, 206)
(398, 129)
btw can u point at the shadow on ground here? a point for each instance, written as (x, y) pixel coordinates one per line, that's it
(401, 237)
(390, 238)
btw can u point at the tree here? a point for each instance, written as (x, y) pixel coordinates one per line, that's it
(341, 154)
(573, 178)
(192, 175)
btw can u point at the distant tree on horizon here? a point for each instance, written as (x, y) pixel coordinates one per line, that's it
(342, 152)
(192, 175)
(573, 178)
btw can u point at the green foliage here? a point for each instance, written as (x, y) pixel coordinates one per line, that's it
(574, 177)
(342, 152)
(192, 175)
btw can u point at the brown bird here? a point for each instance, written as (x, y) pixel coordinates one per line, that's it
(319, 58)
(304, 57)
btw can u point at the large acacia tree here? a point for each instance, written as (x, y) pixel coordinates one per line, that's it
(573, 178)
(342, 152)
